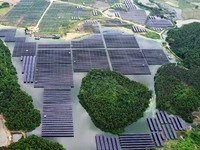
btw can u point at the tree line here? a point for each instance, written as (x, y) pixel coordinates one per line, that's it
(185, 43)
(15, 104)
(177, 90)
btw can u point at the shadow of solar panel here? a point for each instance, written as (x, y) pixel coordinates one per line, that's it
(24, 48)
(120, 41)
(57, 118)
(155, 56)
(86, 59)
(129, 61)
(93, 41)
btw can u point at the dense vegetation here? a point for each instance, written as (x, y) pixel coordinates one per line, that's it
(185, 43)
(112, 100)
(15, 104)
(178, 90)
(190, 141)
(4, 4)
(34, 142)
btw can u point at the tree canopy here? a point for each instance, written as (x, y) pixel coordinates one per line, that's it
(112, 100)
(34, 142)
(178, 90)
(15, 104)
(185, 43)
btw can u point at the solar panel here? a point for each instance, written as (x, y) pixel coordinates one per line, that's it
(159, 23)
(136, 141)
(47, 46)
(136, 15)
(163, 127)
(24, 48)
(105, 143)
(53, 69)
(57, 113)
(93, 41)
(86, 59)
(128, 61)
(155, 56)
(120, 40)
(9, 34)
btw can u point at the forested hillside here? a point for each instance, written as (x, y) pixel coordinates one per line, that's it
(15, 104)
(185, 43)
(178, 90)
(34, 142)
(112, 100)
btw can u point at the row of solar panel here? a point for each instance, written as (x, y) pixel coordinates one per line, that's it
(57, 113)
(28, 68)
(125, 142)
(163, 127)
(136, 141)
(107, 143)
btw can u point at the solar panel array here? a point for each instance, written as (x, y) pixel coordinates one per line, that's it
(54, 74)
(9, 34)
(136, 141)
(129, 61)
(107, 143)
(23, 48)
(28, 68)
(135, 15)
(138, 29)
(57, 113)
(163, 127)
(53, 69)
(155, 56)
(129, 4)
(159, 23)
(20, 39)
(93, 41)
(120, 40)
(86, 59)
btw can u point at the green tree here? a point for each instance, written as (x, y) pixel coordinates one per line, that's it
(112, 100)
(34, 142)
(15, 104)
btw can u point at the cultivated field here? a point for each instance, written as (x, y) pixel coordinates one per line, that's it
(190, 8)
(25, 13)
(88, 2)
(59, 17)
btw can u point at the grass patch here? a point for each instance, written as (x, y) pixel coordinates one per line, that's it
(152, 35)
(2, 10)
